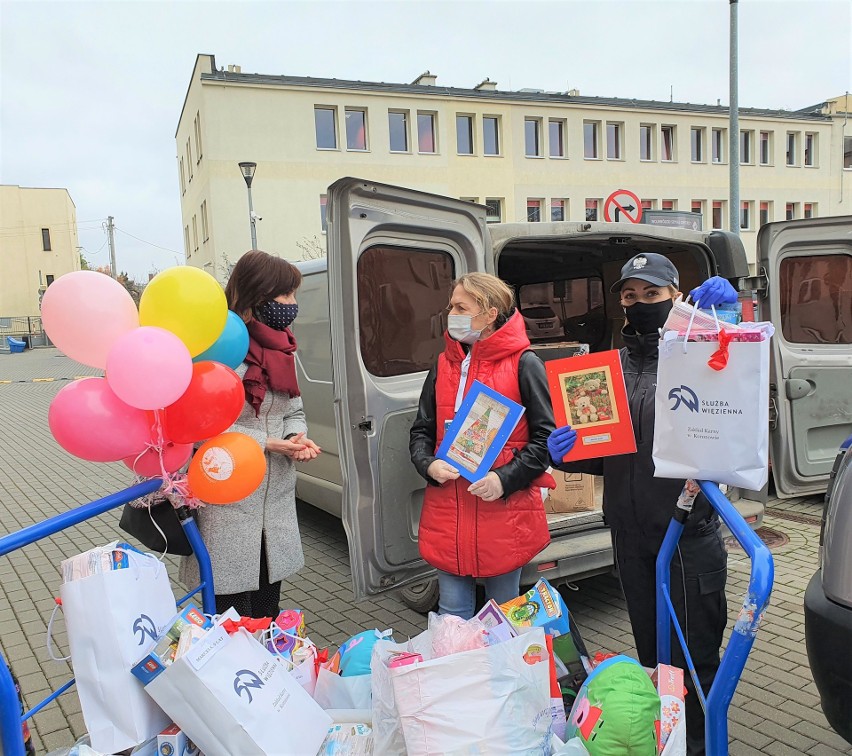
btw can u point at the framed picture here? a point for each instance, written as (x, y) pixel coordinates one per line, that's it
(479, 431)
(588, 393)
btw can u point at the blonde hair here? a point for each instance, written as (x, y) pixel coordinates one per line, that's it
(488, 291)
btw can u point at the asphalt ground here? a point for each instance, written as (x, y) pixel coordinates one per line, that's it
(774, 711)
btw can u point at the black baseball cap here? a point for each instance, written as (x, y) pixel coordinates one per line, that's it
(648, 266)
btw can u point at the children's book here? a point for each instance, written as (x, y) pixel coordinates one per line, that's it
(479, 431)
(588, 393)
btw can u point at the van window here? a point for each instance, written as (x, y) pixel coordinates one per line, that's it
(816, 299)
(402, 296)
(564, 310)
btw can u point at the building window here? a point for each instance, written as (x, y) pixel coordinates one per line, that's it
(590, 140)
(717, 213)
(717, 145)
(667, 143)
(557, 209)
(592, 206)
(765, 148)
(325, 122)
(356, 130)
(791, 211)
(847, 152)
(198, 150)
(745, 147)
(490, 135)
(556, 130)
(532, 137)
(493, 210)
(186, 241)
(696, 138)
(189, 159)
(809, 210)
(669, 204)
(182, 179)
(764, 213)
(45, 239)
(646, 142)
(194, 234)
(533, 210)
(464, 134)
(48, 279)
(398, 129)
(426, 142)
(745, 215)
(323, 213)
(810, 150)
(613, 141)
(205, 231)
(648, 204)
(792, 148)
(697, 206)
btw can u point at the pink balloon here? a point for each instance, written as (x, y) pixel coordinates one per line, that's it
(88, 420)
(149, 368)
(85, 312)
(147, 465)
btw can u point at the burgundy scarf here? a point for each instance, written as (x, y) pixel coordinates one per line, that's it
(271, 363)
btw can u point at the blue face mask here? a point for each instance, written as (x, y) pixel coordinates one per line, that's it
(277, 315)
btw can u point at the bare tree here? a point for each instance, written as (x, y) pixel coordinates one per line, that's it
(313, 248)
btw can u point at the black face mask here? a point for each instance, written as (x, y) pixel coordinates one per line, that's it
(277, 315)
(648, 317)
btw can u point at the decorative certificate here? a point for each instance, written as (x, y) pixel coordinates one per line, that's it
(588, 393)
(479, 431)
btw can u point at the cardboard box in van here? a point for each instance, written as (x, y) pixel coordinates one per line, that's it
(574, 492)
(558, 350)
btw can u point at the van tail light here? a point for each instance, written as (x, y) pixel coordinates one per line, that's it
(545, 566)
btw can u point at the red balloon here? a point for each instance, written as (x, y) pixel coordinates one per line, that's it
(208, 407)
(147, 464)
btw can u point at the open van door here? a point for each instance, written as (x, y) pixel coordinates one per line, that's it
(392, 256)
(808, 264)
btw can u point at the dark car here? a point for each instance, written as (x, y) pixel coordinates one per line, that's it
(828, 601)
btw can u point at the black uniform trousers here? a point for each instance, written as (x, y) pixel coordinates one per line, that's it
(264, 602)
(698, 575)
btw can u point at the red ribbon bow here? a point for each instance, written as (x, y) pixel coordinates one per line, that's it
(719, 359)
(252, 625)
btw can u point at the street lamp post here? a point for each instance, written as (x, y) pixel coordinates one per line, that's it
(248, 170)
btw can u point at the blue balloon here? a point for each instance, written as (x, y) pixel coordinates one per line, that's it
(232, 346)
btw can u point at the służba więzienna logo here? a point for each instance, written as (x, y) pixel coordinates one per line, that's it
(244, 681)
(143, 626)
(686, 396)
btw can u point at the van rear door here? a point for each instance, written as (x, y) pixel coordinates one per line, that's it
(809, 268)
(392, 256)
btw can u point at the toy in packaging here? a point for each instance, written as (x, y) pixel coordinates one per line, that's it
(113, 556)
(353, 657)
(498, 626)
(354, 739)
(541, 606)
(672, 735)
(166, 648)
(173, 742)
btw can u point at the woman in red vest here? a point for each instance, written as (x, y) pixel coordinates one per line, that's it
(489, 529)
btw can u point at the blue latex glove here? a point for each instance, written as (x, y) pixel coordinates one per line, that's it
(713, 292)
(560, 442)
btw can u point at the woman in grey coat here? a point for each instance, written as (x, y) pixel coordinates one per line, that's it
(255, 543)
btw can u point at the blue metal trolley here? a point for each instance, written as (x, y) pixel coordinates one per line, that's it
(11, 737)
(718, 699)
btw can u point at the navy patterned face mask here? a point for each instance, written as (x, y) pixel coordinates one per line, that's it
(277, 315)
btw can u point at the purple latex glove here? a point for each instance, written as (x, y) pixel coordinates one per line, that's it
(713, 292)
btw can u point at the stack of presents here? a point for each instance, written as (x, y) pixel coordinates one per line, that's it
(516, 679)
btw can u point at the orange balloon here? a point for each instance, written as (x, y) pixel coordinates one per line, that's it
(226, 469)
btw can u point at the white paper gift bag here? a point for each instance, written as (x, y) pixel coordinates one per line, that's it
(712, 424)
(493, 701)
(335, 692)
(113, 618)
(230, 695)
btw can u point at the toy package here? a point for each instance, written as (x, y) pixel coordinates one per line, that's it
(113, 556)
(186, 627)
(672, 735)
(498, 626)
(541, 606)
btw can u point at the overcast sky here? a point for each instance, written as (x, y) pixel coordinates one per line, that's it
(91, 92)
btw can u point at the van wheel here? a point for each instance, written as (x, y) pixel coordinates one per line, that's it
(422, 597)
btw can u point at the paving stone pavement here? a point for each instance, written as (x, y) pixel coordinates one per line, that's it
(775, 710)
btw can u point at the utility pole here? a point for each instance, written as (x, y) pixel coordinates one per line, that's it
(734, 126)
(111, 239)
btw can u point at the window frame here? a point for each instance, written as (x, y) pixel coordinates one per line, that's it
(205, 225)
(618, 126)
(596, 208)
(847, 153)
(562, 125)
(769, 145)
(186, 241)
(596, 139)
(363, 111)
(649, 142)
(189, 158)
(765, 214)
(536, 121)
(494, 201)
(696, 147)
(335, 130)
(194, 233)
(747, 145)
(182, 178)
(323, 213)
(791, 210)
(471, 128)
(672, 202)
(809, 210)
(720, 158)
(45, 240)
(406, 121)
(498, 141)
(720, 206)
(794, 157)
(671, 130)
(535, 204)
(746, 215)
(432, 115)
(813, 137)
(563, 204)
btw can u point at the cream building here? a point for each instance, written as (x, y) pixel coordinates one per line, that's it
(38, 243)
(527, 155)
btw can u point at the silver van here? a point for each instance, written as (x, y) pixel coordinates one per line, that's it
(371, 322)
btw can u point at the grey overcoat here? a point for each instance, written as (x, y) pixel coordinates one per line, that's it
(232, 532)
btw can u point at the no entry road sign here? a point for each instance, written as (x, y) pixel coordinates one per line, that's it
(622, 205)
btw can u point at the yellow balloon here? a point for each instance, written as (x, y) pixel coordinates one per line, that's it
(188, 302)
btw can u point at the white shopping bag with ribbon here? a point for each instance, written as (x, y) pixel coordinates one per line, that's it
(230, 695)
(493, 700)
(712, 405)
(114, 608)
